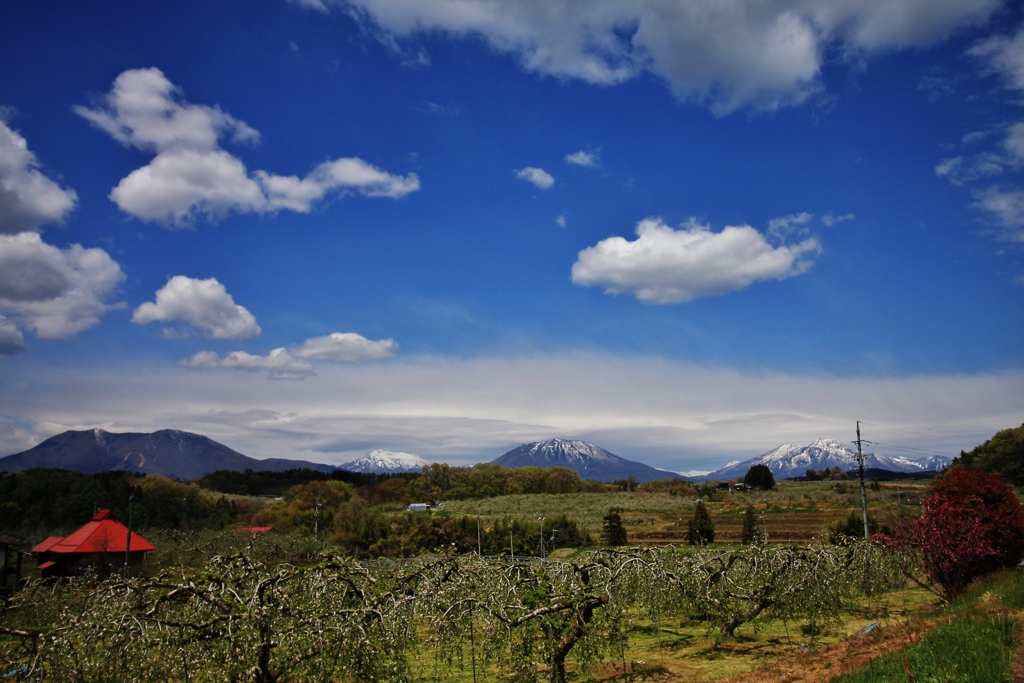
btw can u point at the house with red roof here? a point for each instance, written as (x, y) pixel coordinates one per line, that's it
(101, 543)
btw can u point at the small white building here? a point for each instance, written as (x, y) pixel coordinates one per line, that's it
(418, 507)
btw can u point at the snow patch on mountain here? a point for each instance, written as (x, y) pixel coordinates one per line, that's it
(386, 462)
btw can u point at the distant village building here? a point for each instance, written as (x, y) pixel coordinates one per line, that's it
(254, 529)
(418, 507)
(101, 543)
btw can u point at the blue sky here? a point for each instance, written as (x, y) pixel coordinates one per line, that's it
(686, 232)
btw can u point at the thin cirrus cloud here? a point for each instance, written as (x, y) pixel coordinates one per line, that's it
(55, 292)
(28, 199)
(1002, 56)
(668, 266)
(537, 177)
(192, 177)
(726, 56)
(199, 304)
(296, 362)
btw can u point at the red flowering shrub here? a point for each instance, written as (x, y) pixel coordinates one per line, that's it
(972, 524)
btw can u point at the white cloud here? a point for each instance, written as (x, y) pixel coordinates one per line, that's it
(1013, 144)
(582, 158)
(204, 304)
(1007, 207)
(192, 177)
(1005, 56)
(56, 292)
(344, 347)
(11, 339)
(785, 226)
(666, 266)
(560, 221)
(830, 219)
(728, 55)
(279, 362)
(296, 362)
(28, 199)
(289, 192)
(540, 178)
(143, 110)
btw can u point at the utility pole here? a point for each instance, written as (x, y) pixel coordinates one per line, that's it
(511, 547)
(863, 494)
(128, 538)
(316, 518)
(479, 552)
(541, 519)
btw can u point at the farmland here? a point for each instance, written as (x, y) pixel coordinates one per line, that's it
(792, 512)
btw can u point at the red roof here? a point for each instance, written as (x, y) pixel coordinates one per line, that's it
(254, 529)
(101, 534)
(47, 544)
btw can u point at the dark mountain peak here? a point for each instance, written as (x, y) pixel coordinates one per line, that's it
(170, 452)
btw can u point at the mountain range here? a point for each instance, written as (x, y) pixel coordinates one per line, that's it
(793, 461)
(169, 452)
(590, 461)
(187, 456)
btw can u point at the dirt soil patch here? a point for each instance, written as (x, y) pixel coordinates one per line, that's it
(818, 665)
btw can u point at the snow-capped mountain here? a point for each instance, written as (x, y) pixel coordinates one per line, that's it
(794, 461)
(386, 462)
(590, 461)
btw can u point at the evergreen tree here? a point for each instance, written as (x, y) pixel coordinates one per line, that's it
(759, 477)
(750, 533)
(701, 530)
(613, 532)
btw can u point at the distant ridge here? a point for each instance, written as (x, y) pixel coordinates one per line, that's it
(793, 461)
(172, 453)
(590, 461)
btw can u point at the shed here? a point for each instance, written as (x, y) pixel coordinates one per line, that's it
(101, 543)
(418, 507)
(10, 567)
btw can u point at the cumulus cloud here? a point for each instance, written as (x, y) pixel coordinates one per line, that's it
(344, 347)
(582, 158)
(203, 304)
(28, 199)
(538, 177)
(667, 266)
(11, 339)
(279, 363)
(55, 292)
(192, 177)
(728, 55)
(296, 362)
